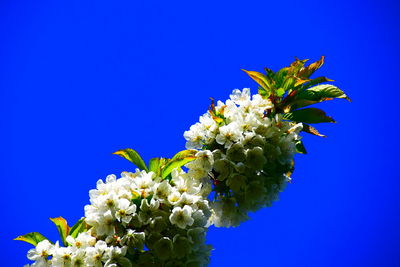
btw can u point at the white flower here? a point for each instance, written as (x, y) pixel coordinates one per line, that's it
(41, 252)
(78, 258)
(162, 190)
(62, 257)
(174, 197)
(116, 257)
(209, 126)
(228, 134)
(133, 239)
(147, 209)
(83, 240)
(105, 225)
(124, 210)
(143, 184)
(182, 217)
(203, 163)
(248, 171)
(95, 255)
(195, 136)
(204, 160)
(240, 96)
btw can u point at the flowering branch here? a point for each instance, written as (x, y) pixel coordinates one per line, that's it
(239, 157)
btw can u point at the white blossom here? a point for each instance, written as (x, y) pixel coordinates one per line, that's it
(182, 217)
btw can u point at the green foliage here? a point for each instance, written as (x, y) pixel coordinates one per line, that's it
(308, 115)
(217, 116)
(260, 78)
(156, 164)
(32, 238)
(321, 92)
(63, 228)
(78, 228)
(177, 161)
(291, 88)
(160, 166)
(133, 157)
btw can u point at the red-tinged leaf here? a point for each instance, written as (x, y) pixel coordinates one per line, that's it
(217, 116)
(311, 130)
(63, 228)
(308, 115)
(310, 69)
(260, 78)
(211, 108)
(296, 66)
(33, 238)
(300, 82)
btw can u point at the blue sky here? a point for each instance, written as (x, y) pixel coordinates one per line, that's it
(82, 79)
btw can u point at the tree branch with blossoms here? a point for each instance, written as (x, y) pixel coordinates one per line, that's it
(239, 157)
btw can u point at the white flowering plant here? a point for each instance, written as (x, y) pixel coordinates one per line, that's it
(239, 157)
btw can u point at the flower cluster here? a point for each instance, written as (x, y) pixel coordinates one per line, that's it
(246, 153)
(85, 250)
(239, 158)
(138, 220)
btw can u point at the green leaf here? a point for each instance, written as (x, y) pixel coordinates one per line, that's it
(133, 157)
(300, 103)
(322, 92)
(280, 92)
(78, 228)
(269, 72)
(63, 228)
(260, 78)
(32, 238)
(300, 147)
(264, 93)
(316, 81)
(280, 76)
(289, 82)
(156, 164)
(180, 159)
(308, 115)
